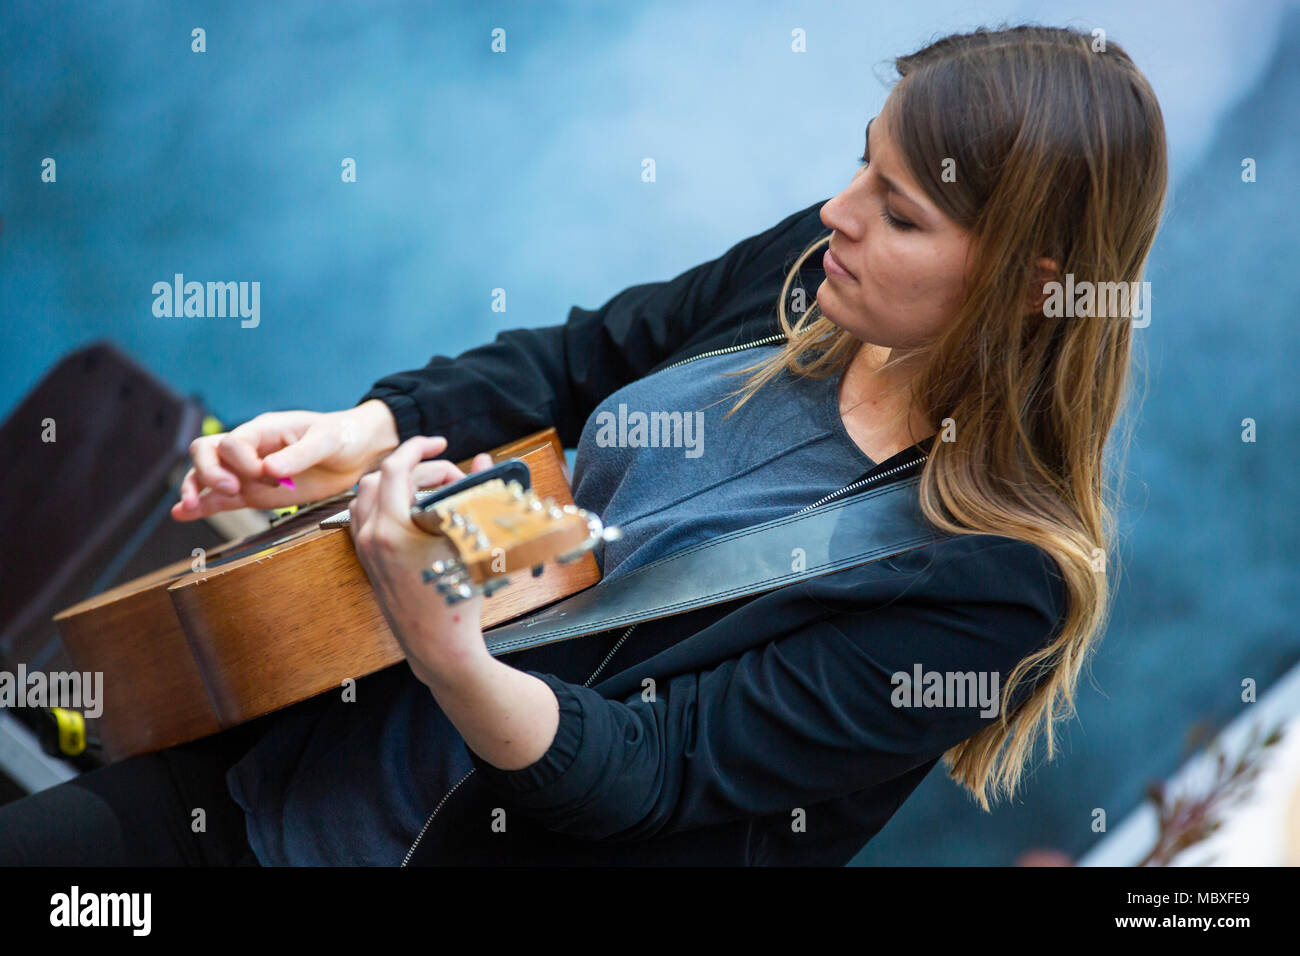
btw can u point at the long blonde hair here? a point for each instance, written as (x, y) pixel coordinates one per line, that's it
(1060, 152)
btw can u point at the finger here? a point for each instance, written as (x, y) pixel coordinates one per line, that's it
(482, 462)
(435, 474)
(186, 507)
(395, 487)
(272, 431)
(208, 468)
(212, 502)
(316, 444)
(183, 512)
(189, 491)
(236, 452)
(362, 506)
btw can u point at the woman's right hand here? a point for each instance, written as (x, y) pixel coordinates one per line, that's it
(323, 453)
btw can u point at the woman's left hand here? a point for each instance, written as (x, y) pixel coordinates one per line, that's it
(438, 638)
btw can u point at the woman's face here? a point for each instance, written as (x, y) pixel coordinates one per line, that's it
(896, 264)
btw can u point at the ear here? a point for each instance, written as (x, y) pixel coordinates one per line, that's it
(1045, 271)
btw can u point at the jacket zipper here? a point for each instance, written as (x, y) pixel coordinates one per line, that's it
(780, 336)
(862, 483)
(447, 796)
(610, 656)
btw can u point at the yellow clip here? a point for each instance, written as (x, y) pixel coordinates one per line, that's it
(212, 425)
(285, 512)
(72, 731)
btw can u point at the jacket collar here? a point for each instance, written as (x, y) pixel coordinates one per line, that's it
(913, 453)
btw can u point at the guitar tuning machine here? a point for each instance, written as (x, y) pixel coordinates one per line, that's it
(441, 569)
(451, 584)
(597, 533)
(492, 587)
(457, 587)
(461, 592)
(452, 581)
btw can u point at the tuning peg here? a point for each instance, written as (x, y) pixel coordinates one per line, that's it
(450, 581)
(460, 593)
(440, 569)
(492, 587)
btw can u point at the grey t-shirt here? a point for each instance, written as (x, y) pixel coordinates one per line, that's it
(353, 782)
(677, 473)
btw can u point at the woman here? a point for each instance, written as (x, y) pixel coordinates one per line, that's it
(764, 730)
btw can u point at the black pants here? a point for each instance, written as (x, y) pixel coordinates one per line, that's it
(138, 812)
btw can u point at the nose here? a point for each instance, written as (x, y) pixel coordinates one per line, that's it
(840, 212)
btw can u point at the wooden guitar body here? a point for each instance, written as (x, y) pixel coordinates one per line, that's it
(266, 622)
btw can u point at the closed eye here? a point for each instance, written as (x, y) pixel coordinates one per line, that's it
(901, 225)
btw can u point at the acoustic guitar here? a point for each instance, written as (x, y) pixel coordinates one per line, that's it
(264, 622)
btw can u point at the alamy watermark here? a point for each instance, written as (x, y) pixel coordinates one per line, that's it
(651, 430)
(213, 300)
(133, 910)
(73, 690)
(948, 689)
(1103, 300)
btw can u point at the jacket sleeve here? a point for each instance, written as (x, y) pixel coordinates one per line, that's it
(529, 379)
(805, 718)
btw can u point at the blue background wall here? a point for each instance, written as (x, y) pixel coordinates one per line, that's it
(522, 171)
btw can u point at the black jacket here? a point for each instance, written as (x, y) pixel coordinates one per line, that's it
(770, 737)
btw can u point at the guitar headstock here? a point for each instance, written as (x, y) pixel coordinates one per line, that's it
(499, 527)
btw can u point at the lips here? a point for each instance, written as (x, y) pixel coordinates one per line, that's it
(835, 266)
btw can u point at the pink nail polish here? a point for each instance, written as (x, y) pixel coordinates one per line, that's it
(288, 482)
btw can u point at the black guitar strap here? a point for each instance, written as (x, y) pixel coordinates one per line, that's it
(867, 526)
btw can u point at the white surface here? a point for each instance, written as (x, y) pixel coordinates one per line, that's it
(1260, 829)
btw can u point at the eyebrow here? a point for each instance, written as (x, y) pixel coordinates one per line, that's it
(889, 183)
